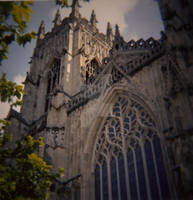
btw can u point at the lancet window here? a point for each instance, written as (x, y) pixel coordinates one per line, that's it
(91, 71)
(53, 80)
(129, 156)
(55, 73)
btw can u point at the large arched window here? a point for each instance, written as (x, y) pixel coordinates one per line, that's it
(129, 158)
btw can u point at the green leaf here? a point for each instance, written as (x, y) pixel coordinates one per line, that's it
(21, 13)
(9, 38)
(10, 91)
(23, 39)
(11, 30)
(62, 3)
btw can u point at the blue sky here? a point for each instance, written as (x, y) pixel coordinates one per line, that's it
(136, 18)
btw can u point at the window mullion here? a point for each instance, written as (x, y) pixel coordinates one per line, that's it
(145, 171)
(156, 171)
(101, 183)
(136, 174)
(109, 178)
(118, 180)
(124, 152)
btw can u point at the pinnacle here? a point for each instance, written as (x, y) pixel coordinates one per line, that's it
(57, 20)
(75, 8)
(117, 32)
(93, 19)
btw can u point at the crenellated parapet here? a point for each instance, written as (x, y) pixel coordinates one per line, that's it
(140, 44)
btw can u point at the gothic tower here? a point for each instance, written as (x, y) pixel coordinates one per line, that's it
(116, 115)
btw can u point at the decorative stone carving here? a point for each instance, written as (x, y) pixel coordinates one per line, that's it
(93, 19)
(57, 20)
(126, 124)
(55, 137)
(172, 82)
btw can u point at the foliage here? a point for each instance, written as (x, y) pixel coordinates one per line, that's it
(63, 3)
(23, 174)
(14, 17)
(10, 92)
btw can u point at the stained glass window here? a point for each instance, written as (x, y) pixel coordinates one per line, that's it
(151, 171)
(130, 127)
(122, 177)
(105, 181)
(141, 176)
(114, 186)
(161, 168)
(97, 182)
(132, 176)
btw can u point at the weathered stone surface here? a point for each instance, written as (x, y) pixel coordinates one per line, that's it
(69, 102)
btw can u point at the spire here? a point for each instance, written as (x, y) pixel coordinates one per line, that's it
(93, 19)
(75, 9)
(57, 20)
(41, 30)
(118, 42)
(117, 32)
(109, 33)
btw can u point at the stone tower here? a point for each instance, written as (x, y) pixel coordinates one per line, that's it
(116, 115)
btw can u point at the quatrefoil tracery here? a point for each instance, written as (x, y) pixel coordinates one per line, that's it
(126, 125)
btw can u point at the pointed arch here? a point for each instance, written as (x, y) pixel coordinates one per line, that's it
(127, 128)
(92, 69)
(52, 75)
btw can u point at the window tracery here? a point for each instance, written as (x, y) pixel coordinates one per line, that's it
(52, 80)
(55, 72)
(129, 147)
(92, 69)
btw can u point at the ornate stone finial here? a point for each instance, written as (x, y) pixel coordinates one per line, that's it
(117, 32)
(93, 19)
(57, 21)
(75, 9)
(109, 33)
(41, 31)
(118, 42)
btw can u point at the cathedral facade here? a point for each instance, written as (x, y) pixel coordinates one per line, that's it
(116, 115)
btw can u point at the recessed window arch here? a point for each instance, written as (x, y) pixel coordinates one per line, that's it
(55, 72)
(129, 149)
(49, 82)
(92, 69)
(53, 79)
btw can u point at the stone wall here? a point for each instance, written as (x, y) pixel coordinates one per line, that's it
(156, 73)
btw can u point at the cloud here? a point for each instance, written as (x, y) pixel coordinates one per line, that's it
(19, 79)
(4, 107)
(112, 11)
